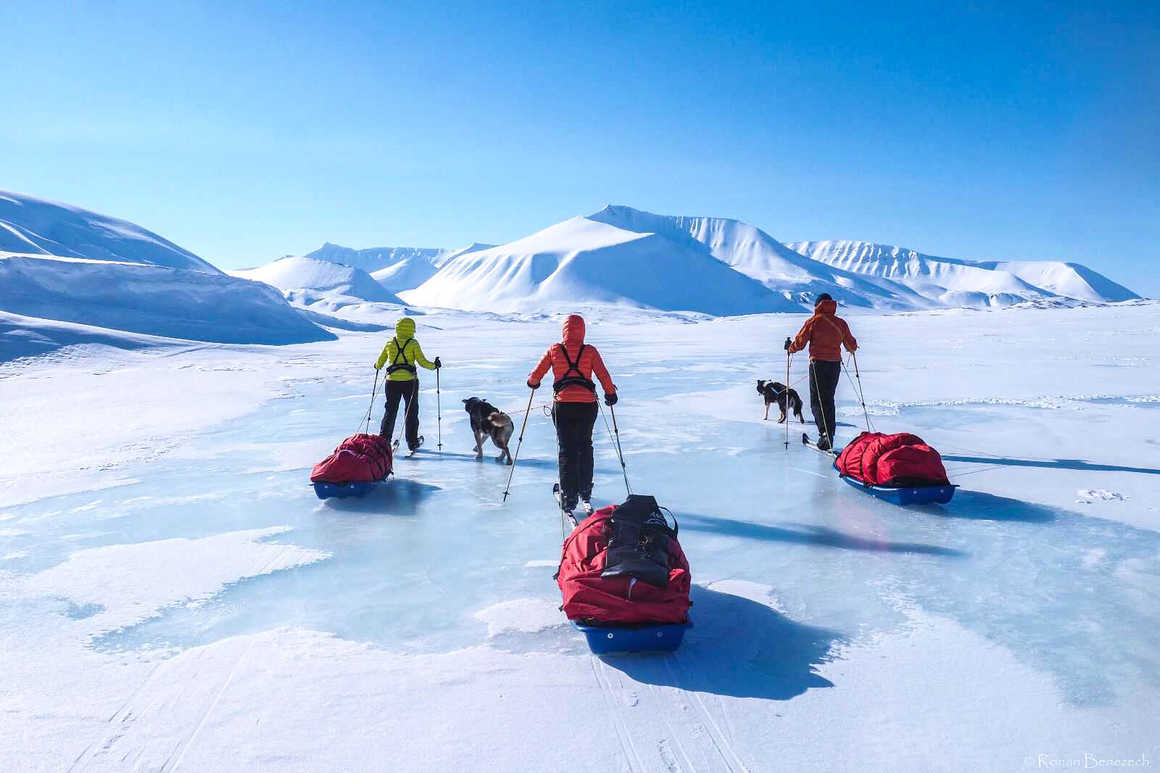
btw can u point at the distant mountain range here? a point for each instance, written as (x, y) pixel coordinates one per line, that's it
(627, 256)
(65, 263)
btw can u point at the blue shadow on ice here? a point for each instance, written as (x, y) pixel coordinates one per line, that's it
(979, 505)
(807, 534)
(398, 496)
(740, 648)
(1059, 464)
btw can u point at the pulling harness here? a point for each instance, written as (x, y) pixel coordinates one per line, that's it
(568, 379)
(401, 351)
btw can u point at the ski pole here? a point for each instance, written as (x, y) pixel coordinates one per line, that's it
(438, 410)
(619, 453)
(861, 396)
(370, 410)
(519, 444)
(787, 406)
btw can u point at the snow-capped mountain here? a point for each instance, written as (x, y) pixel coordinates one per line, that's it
(954, 282)
(77, 266)
(33, 226)
(756, 254)
(302, 275)
(374, 259)
(585, 261)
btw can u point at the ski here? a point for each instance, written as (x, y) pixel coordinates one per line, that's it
(811, 444)
(558, 495)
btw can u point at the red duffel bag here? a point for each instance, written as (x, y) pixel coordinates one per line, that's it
(900, 460)
(358, 459)
(622, 565)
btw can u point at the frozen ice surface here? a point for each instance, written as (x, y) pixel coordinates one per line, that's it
(173, 595)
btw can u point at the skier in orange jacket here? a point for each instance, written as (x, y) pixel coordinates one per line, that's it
(825, 333)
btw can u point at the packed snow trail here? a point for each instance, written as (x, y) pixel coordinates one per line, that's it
(417, 628)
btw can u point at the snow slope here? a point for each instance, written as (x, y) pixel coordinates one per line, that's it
(953, 282)
(151, 299)
(308, 274)
(405, 274)
(583, 261)
(31, 225)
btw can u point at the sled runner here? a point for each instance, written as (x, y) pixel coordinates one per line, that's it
(356, 466)
(610, 640)
(897, 468)
(625, 579)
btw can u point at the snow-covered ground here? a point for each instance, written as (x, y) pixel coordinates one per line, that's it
(173, 596)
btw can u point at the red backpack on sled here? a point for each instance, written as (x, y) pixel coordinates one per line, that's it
(623, 566)
(901, 460)
(358, 459)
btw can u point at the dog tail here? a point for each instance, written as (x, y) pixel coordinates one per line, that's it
(496, 420)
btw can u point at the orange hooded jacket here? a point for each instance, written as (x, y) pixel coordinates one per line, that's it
(589, 363)
(825, 333)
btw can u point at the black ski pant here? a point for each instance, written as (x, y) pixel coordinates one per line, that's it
(824, 375)
(574, 422)
(409, 392)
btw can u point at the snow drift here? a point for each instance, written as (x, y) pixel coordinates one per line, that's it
(33, 226)
(583, 261)
(145, 298)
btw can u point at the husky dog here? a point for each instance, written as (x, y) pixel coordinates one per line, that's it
(776, 392)
(489, 421)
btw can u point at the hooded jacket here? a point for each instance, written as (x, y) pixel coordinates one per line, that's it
(587, 359)
(825, 333)
(403, 350)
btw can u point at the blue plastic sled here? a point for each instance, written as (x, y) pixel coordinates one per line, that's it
(357, 489)
(902, 495)
(608, 640)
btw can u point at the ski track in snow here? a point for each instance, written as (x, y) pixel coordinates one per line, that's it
(142, 581)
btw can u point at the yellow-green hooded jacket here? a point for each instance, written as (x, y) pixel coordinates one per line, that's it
(402, 353)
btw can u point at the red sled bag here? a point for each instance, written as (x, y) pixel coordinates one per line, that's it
(901, 460)
(358, 459)
(623, 566)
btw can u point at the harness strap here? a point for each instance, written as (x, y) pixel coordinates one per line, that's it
(401, 351)
(573, 367)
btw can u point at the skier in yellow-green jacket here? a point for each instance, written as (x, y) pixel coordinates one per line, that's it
(401, 354)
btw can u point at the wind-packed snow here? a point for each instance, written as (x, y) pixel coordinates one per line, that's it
(31, 225)
(951, 282)
(173, 595)
(145, 298)
(590, 262)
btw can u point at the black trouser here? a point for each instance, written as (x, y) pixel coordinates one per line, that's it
(409, 391)
(574, 422)
(824, 375)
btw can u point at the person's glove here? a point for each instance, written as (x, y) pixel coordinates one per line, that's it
(533, 384)
(610, 399)
(787, 343)
(376, 367)
(438, 363)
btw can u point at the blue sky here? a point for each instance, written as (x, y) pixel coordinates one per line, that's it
(248, 130)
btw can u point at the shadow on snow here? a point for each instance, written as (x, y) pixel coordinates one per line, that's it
(1057, 464)
(737, 647)
(806, 534)
(397, 496)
